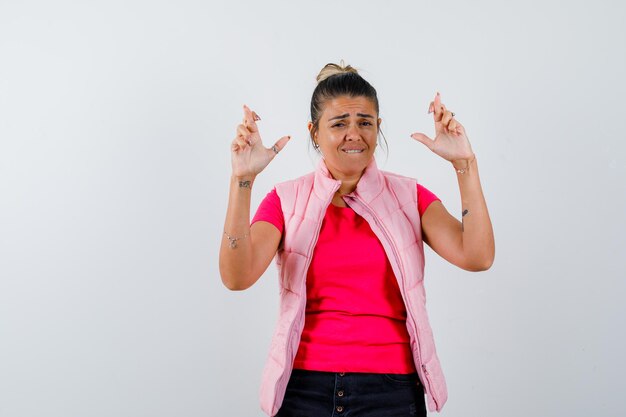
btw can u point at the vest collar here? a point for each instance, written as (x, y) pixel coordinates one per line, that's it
(369, 186)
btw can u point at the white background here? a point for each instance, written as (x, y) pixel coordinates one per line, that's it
(115, 124)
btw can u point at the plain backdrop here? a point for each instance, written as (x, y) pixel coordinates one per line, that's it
(116, 120)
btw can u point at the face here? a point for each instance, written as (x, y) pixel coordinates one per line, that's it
(347, 134)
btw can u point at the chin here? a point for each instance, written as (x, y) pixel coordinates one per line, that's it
(353, 168)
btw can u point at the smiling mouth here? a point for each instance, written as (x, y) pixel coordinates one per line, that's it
(353, 150)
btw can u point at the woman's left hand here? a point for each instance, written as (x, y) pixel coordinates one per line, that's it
(450, 141)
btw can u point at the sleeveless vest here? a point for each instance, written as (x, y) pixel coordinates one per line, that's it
(388, 202)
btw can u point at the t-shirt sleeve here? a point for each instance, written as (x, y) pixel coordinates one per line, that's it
(270, 211)
(424, 198)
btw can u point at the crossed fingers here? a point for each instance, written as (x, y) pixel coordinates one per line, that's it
(247, 131)
(444, 118)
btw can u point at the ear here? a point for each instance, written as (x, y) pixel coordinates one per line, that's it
(310, 127)
(379, 122)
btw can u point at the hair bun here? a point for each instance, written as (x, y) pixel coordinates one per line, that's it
(333, 69)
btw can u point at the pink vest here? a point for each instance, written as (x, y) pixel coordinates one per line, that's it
(388, 202)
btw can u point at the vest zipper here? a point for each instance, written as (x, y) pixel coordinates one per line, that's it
(409, 313)
(301, 311)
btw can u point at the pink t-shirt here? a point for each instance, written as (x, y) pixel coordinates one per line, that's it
(355, 317)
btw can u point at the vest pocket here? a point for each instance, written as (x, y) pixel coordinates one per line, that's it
(291, 272)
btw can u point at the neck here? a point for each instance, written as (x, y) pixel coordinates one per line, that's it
(348, 182)
(347, 186)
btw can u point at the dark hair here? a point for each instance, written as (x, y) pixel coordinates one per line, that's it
(338, 80)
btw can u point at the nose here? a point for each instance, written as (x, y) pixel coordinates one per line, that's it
(353, 132)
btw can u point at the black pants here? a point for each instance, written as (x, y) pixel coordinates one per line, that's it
(352, 394)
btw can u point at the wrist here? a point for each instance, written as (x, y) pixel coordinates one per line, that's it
(243, 181)
(462, 165)
(247, 177)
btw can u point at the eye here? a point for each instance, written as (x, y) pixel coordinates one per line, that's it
(367, 123)
(338, 124)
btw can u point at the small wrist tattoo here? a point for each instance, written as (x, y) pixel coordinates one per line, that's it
(245, 184)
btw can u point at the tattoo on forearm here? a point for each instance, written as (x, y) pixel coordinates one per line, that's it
(466, 211)
(245, 184)
(233, 240)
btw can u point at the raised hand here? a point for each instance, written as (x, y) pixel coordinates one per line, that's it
(451, 142)
(248, 155)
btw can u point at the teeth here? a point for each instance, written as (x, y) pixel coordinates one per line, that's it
(353, 150)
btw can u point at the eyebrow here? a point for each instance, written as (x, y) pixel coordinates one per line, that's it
(343, 116)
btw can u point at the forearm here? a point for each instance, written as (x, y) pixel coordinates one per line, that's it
(477, 232)
(236, 246)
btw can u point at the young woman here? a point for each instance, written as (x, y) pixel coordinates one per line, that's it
(353, 335)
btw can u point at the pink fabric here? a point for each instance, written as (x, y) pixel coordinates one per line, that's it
(355, 319)
(269, 209)
(387, 202)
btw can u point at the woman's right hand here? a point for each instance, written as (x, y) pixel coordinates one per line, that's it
(248, 155)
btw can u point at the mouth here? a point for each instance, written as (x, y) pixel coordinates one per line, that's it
(350, 151)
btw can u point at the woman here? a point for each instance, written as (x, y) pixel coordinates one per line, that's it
(353, 335)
